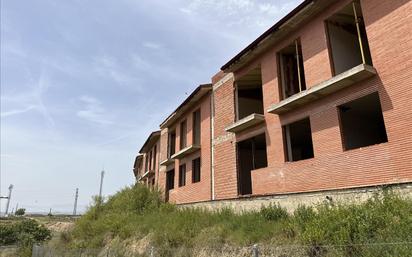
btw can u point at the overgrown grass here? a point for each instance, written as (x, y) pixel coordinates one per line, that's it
(137, 212)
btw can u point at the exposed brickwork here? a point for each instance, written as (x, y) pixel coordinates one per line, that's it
(388, 27)
(333, 167)
(199, 191)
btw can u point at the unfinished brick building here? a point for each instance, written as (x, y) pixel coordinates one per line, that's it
(319, 102)
(146, 165)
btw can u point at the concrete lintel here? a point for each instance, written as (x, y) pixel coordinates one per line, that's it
(185, 151)
(338, 82)
(167, 162)
(246, 122)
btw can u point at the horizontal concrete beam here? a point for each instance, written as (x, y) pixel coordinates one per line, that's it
(246, 122)
(185, 151)
(338, 82)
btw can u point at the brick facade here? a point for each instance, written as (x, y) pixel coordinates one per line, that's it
(388, 28)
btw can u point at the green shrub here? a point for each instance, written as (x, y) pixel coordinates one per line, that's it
(273, 212)
(139, 212)
(8, 234)
(20, 212)
(23, 232)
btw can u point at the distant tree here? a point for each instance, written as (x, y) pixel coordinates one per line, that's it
(20, 212)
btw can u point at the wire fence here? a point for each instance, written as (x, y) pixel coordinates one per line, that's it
(8, 251)
(389, 249)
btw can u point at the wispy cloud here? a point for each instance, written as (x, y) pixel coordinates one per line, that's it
(152, 45)
(16, 112)
(240, 12)
(32, 99)
(92, 111)
(109, 67)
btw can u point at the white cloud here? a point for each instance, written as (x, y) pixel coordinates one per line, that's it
(31, 99)
(93, 111)
(152, 45)
(18, 111)
(109, 67)
(240, 12)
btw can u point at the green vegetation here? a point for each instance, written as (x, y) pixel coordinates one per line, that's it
(20, 212)
(329, 229)
(24, 233)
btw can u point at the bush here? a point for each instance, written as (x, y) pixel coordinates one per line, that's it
(273, 212)
(20, 212)
(23, 232)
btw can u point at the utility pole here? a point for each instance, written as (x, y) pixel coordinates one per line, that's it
(8, 200)
(75, 202)
(17, 206)
(101, 185)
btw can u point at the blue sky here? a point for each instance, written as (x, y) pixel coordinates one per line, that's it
(83, 83)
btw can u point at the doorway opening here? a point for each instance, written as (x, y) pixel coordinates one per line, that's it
(251, 155)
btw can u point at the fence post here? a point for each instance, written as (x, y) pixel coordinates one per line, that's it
(255, 251)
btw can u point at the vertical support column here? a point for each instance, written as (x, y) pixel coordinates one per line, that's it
(358, 31)
(236, 101)
(298, 64)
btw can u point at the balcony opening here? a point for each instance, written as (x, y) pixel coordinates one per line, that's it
(249, 94)
(362, 122)
(196, 170)
(196, 127)
(348, 43)
(183, 134)
(171, 143)
(298, 141)
(251, 155)
(182, 175)
(291, 71)
(170, 183)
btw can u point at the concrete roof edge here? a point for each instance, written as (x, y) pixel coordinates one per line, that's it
(185, 102)
(152, 136)
(265, 34)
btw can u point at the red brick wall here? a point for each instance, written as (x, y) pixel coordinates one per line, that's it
(192, 192)
(390, 40)
(224, 142)
(388, 29)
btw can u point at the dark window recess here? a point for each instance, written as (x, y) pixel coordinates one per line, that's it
(146, 157)
(196, 170)
(154, 157)
(196, 127)
(150, 160)
(348, 43)
(291, 70)
(183, 134)
(298, 140)
(170, 182)
(171, 143)
(249, 94)
(251, 155)
(182, 175)
(362, 122)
